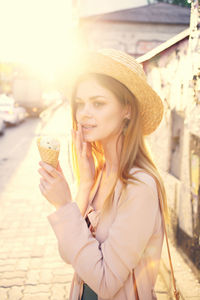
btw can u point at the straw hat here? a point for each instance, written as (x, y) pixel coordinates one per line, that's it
(128, 71)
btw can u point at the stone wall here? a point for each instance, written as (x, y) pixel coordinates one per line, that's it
(169, 73)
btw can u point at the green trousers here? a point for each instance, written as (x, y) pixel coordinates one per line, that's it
(88, 293)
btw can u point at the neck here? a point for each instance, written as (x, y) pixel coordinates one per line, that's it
(112, 151)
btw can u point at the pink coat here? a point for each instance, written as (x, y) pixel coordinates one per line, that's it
(129, 237)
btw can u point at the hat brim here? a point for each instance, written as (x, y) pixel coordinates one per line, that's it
(151, 105)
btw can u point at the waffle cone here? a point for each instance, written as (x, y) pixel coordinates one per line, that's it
(49, 156)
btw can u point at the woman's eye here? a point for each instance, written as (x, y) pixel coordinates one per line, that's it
(79, 103)
(97, 104)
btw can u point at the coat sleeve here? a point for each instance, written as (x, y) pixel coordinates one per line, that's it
(106, 266)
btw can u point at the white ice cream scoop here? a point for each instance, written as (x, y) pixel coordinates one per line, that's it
(50, 143)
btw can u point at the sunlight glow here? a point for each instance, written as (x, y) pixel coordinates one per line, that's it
(39, 33)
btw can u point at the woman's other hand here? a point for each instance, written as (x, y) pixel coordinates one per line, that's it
(53, 185)
(85, 159)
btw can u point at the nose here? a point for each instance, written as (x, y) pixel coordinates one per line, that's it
(85, 111)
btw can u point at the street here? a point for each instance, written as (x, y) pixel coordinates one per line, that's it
(30, 265)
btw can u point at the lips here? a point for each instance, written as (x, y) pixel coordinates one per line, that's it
(87, 126)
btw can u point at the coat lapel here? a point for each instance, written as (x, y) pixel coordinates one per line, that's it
(93, 192)
(95, 188)
(117, 191)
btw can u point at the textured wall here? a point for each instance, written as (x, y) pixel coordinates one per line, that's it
(170, 75)
(134, 38)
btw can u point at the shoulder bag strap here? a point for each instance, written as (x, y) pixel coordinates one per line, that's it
(176, 292)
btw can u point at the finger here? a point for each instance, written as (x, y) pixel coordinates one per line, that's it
(42, 189)
(46, 175)
(81, 132)
(78, 142)
(89, 149)
(45, 184)
(84, 151)
(51, 170)
(59, 168)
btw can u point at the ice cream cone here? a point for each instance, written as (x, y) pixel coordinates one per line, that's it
(50, 156)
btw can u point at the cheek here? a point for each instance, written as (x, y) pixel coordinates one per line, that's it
(111, 119)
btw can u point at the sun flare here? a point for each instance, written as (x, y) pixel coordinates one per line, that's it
(38, 33)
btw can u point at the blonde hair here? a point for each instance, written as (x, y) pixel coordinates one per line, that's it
(134, 150)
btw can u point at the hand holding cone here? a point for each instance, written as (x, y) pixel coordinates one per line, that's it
(49, 149)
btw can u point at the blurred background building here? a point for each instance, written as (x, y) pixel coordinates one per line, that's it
(135, 30)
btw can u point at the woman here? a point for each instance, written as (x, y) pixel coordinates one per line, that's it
(112, 234)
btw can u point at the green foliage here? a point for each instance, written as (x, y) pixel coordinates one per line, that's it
(175, 2)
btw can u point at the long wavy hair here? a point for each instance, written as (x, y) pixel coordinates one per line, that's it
(134, 152)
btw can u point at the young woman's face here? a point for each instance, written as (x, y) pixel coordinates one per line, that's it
(98, 111)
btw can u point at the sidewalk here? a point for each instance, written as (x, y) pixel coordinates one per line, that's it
(186, 281)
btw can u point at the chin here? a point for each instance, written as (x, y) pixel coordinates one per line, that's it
(94, 138)
(89, 139)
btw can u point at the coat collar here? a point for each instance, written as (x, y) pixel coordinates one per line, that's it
(118, 187)
(96, 186)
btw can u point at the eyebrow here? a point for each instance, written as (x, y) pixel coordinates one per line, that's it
(91, 98)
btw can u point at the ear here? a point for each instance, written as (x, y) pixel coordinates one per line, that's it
(127, 114)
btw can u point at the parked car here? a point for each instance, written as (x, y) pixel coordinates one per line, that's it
(2, 126)
(10, 112)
